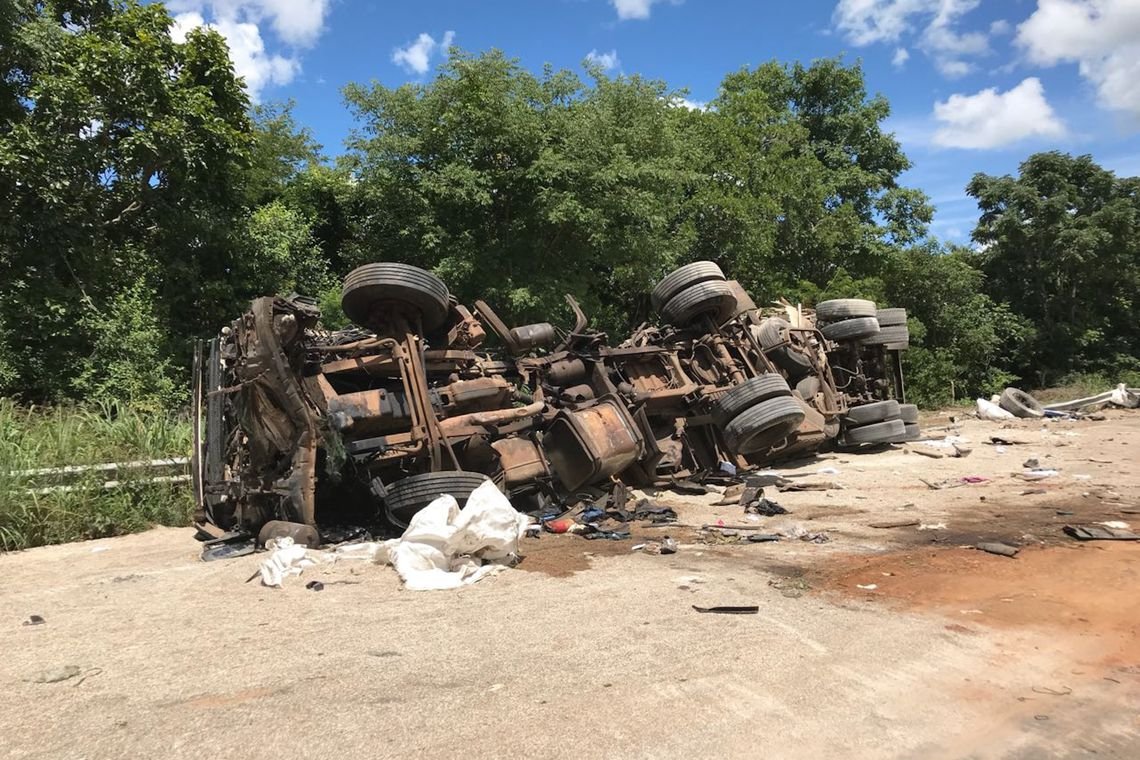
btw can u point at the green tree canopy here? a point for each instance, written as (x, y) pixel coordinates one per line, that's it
(1061, 243)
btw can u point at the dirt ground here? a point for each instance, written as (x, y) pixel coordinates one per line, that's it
(880, 642)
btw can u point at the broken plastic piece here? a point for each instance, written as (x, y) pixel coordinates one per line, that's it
(730, 610)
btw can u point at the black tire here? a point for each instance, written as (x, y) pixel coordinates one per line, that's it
(859, 328)
(401, 285)
(891, 317)
(685, 277)
(908, 413)
(844, 308)
(770, 335)
(868, 414)
(410, 495)
(892, 334)
(879, 432)
(763, 425)
(1020, 403)
(705, 298)
(751, 392)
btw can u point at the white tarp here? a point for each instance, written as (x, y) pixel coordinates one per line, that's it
(446, 547)
(988, 410)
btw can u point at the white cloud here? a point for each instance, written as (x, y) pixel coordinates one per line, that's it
(692, 105)
(636, 9)
(902, 55)
(251, 62)
(297, 23)
(999, 27)
(1101, 36)
(415, 57)
(931, 23)
(989, 119)
(607, 61)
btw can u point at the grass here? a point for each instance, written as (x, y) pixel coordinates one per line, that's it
(32, 438)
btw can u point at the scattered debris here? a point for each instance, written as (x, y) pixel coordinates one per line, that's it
(868, 587)
(765, 507)
(1031, 464)
(1099, 533)
(664, 546)
(993, 547)
(1020, 404)
(1033, 492)
(34, 620)
(315, 586)
(1003, 441)
(895, 524)
(730, 610)
(923, 452)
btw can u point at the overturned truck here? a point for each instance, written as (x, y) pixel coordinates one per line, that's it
(298, 427)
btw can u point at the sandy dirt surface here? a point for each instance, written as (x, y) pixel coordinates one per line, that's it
(879, 643)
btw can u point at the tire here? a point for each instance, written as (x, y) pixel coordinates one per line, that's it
(1020, 404)
(844, 308)
(908, 413)
(770, 335)
(891, 317)
(868, 414)
(879, 432)
(685, 277)
(410, 495)
(763, 425)
(751, 392)
(891, 334)
(705, 298)
(401, 285)
(808, 387)
(859, 328)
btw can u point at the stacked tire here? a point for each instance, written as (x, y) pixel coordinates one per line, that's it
(757, 414)
(770, 334)
(880, 422)
(893, 333)
(847, 320)
(693, 291)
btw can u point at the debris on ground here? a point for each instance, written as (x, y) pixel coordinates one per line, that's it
(665, 546)
(884, 524)
(34, 620)
(445, 547)
(1020, 404)
(1099, 533)
(993, 547)
(730, 610)
(765, 507)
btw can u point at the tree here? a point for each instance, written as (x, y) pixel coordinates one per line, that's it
(121, 159)
(799, 178)
(517, 188)
(1061, 243)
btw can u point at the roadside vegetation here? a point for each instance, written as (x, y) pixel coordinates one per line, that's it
(146, 205)
(50, 507)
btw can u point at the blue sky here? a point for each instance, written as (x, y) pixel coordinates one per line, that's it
(973, 86)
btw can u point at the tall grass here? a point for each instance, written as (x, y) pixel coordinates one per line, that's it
(32, 438)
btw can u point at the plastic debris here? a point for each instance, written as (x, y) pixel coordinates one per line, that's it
(993, 547)
(287, 559)
(730, 610)
(988, 410)
(445, 547)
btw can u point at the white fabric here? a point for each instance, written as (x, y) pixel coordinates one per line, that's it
(988, 410)
(445, 547)
(287, 559)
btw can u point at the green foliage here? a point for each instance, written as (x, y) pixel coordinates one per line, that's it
(52, 508)
(962, 341)
(1061, 243)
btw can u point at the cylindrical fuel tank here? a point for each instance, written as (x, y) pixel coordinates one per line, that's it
(538, 335)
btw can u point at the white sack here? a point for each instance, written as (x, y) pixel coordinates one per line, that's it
(445, 547)
(988, 410)
(287, 559)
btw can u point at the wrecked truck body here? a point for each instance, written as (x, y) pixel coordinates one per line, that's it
(309, 427)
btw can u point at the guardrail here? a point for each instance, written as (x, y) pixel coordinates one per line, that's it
(108, 467)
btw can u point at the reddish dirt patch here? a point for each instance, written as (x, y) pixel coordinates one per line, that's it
(1080, 589)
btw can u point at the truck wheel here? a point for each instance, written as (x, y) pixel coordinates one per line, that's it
(400, 285)
(680, 279)
(749, 393)
(867, 414)
(705, 298)
(763, 425)
(844, 308)
(858, 328)
(410, 495)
